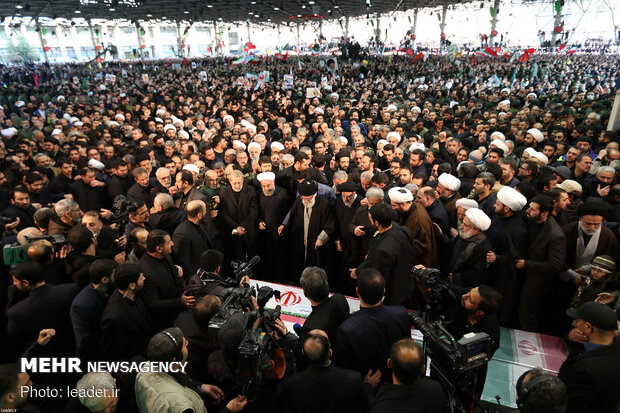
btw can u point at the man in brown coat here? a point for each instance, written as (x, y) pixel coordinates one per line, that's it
(415, 217)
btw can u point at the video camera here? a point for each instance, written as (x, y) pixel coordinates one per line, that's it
(240, 270)
(434, 287)
(256, 347)
(121, 208)
(57, 240)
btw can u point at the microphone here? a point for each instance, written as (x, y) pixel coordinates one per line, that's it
(297, 328)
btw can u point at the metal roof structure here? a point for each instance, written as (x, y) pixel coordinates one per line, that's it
(252, 11)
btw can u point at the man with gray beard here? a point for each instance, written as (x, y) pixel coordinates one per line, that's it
(585, 240)
(273, 206)
(467, 265)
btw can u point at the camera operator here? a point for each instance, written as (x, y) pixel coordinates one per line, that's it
(410, 387)
(209, 279)
(176, 391)
(223, 363)
(541, 392)
(195, 326)
(105, 237)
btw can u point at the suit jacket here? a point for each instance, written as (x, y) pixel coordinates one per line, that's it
(162, 290)
(86, 311)
(239, 213)
(126, 328)
(190, 241)
(328, 316)
(365, 339)
(167, 219)
(392, 254)
(592, 379)
(424, 395)
(25, 216)
(192, 195)
(88, 198)
(326, 389)
(46, 307)
(546, 254)
(138, 192)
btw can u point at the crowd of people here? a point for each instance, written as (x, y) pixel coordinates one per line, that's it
(124, 185)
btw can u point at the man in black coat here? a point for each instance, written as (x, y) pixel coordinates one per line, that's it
(591, 372)
(164, 215)
(392, 254)
(141, 189)
(409, 387)
(163, 286)
(364, 340)
(467, 265)
(307, 229)
(119, 183)
(239, 209)
(191, 238)
(20, 208)
(126, 326)
(47, 306)
(544, 259)
(88, 192)
(508, 236)
(186, 190)
(347, 243)
(327, 312)
(322, 387)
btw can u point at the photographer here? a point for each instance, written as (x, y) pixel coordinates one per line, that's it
(209, 280)
(176, 391)
(195, 326)
(225, 364)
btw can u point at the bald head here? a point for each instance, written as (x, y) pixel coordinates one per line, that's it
(30, 232)
(41, 251)
(406, 361)
(196, 209)
(316, 348)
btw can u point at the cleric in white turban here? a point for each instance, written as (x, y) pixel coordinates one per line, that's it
(266, 176)
(449, 182)
(400, 195)
(511, 198)
(478, 218)
(466, 203)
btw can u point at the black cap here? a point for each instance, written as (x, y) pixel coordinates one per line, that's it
(51, 140)
(347, 187)
(593, 207)
(599, 315)
(307, 188)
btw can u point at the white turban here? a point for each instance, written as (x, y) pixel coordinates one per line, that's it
(505, 90)
(466, 203)
(400, 195)
(334, 95)
(93, 163)
(228, 117)
(237, 144)
(451, 182)
(251, 127)
(392, 108)
(512, 198)
(160, 113)
(192, 168)
(382, 142)
(112, 123)
(416, 108)
(530, 151)
(498, 135)
(169, 126)
(531, 94)
(417, 145)
(478, 218)
(505, 102)
(498, 143)
(538, 135)
(319, 110)
(8, 132)
(252, 145)
(57, 132)
(184, 134)
(277, 146)
(394, 134)
(266, 176)
(122, 117)
(343, 140)
(541, 157)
